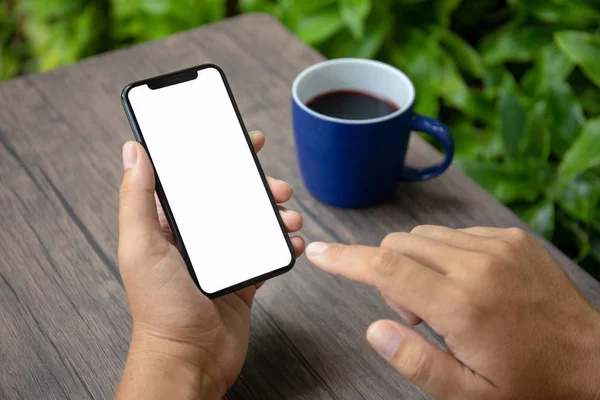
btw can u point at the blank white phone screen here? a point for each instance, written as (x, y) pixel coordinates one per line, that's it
(218, 200)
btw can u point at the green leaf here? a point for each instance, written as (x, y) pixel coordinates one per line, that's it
(45, 9)
(497, 80)
(469, 141)
(551, 65)
(315, 29)
(86, 25)
(344, 45)
(414, 46)
(506, 183)
(452, 86)
(539, 216)
(306, 6)
(583, 49)
(475, 105)
(579, 197)
(444, 10)
(354, 13)
(426, 101)
(573, 233)
(373, 41)
(537, 144)
(291, 17)
(590, 99)
(8, 26)
(515, 44)
(495, 150)
(595, 246)
(595, 223)
(513, 122)
(10, 65)
(465, 56)
(419, 55)
(584, 153)
(156, 7)
(253, 5)
(571, 12)
(567, 117)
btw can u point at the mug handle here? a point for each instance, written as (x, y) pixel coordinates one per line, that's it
(439, 131)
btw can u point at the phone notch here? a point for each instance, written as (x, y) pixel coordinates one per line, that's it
(172, 79)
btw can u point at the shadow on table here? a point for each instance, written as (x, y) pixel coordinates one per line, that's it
(428, 195)
(275, 369)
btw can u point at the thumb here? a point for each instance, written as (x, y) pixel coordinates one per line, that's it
(425, 365)
(138, 219)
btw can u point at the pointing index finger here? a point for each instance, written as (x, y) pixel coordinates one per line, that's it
(414, 286)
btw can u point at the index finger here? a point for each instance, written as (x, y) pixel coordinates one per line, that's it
(414, 286)
(258, 140)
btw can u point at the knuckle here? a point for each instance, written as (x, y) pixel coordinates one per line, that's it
(503, 247)
(390, 239)
(422, 229)
(516, 235)
(382, 261)
(417, 365)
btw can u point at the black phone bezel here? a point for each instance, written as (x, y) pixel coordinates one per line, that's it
(174, 78)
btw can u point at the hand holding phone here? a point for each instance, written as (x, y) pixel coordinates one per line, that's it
(209, 181)
(175, 327)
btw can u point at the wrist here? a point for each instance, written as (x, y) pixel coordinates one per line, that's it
(158, 367)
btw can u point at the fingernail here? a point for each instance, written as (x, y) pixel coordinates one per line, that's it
(288, 211)
(315, 249)
(129, 155)
(385, 339)
(279, 181)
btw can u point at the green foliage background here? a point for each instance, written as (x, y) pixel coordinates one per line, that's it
(517, 81)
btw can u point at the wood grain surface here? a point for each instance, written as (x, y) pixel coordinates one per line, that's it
(64, 322)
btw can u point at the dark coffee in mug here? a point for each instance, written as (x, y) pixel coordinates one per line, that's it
(351, 104)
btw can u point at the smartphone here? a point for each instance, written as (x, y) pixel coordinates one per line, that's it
(208, 179)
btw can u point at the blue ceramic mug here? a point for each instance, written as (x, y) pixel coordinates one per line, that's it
(357, 163)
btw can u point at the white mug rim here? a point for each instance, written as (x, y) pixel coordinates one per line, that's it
(338, 61)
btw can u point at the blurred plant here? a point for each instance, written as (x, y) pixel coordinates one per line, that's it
(60, 32)
(141, 20)
(39, 35)
(517, 80)
(518, 83)
(10, 43)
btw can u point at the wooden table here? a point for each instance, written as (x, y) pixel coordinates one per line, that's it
(64, 322)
